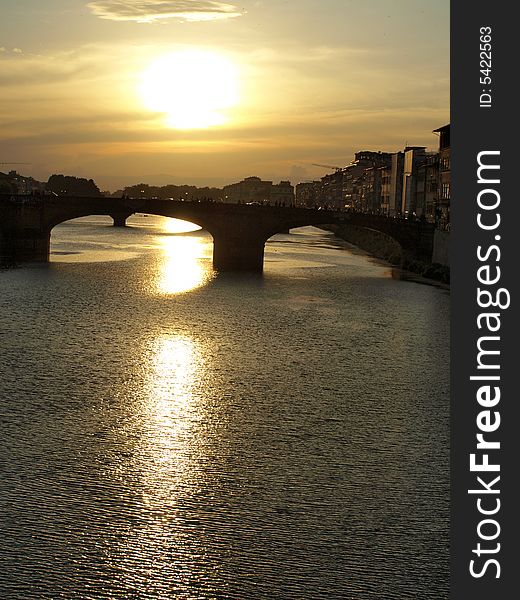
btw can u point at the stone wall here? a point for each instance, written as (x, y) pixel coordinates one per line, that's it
(441, 248)
(383, 246)
(375, 242)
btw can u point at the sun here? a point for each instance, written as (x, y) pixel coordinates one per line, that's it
(194, 88)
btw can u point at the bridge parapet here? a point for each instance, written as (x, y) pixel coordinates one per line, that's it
(239, 231)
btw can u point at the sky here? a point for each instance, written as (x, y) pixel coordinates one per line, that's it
(207, 92)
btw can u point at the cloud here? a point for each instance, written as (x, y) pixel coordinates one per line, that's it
(3, 49)
(147, 11)
(18, 69)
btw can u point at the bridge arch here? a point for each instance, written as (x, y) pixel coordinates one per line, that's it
(239, 231)
(98, 225)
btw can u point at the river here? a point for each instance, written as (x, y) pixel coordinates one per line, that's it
(172, 433)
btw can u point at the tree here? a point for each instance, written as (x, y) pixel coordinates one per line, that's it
(66, 185)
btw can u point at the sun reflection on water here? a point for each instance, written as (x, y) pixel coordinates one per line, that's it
(173, 370)
(166, 463)
(185, 264)
(171, 225)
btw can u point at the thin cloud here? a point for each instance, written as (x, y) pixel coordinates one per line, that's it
(3, 49)
(147, 11)
(19, 69)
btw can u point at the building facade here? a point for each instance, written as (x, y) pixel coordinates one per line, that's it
(254, 189)
(309, 194)
(14, 183)
(428, 187)
(444, 183)
(362, 180)
(282, 194)
(250, 189)
(414, 156)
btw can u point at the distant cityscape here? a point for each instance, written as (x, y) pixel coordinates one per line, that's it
(412, 183)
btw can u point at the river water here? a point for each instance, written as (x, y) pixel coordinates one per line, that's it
(172, 433)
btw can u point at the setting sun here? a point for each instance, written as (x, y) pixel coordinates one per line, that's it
(193, 88)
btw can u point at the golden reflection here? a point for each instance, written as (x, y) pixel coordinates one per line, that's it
(183, 267)
(174, 368)
(166, 465)
(178, 226)
(171, 414)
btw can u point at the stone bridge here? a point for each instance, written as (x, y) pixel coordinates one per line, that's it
(239, 231)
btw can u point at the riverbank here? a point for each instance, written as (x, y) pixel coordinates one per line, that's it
(382, 246)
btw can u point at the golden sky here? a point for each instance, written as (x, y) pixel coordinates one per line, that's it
(209, 92)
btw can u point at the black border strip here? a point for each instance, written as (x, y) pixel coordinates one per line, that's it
(477, 127)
